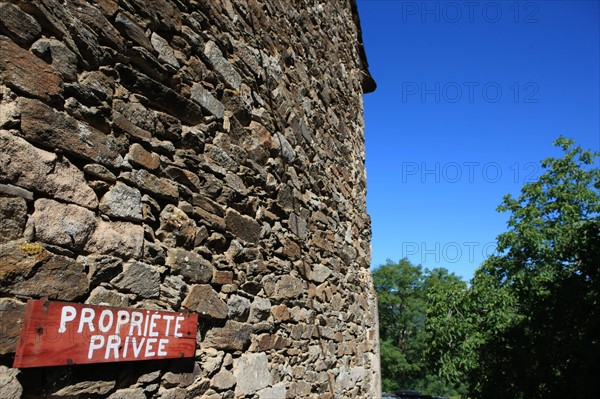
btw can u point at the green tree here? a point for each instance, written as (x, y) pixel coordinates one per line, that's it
(399, 289)
(403, 297)
(535, 307)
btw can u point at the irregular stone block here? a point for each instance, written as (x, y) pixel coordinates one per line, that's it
(139, 156)
(121, 239)
(11, 316)
(45, 126)
(165, 52)
(239, 307)
(138, 278)
(132, 31)
(205, 301)
(123, 202)
(145, 181)
(18, 25)
(222, 66)
(161, 96)
(234, 336)
(277, 391)
(10, 387)
(242, 226)
(85, 388)
(191, 266)
(64, 225)
(54, 52)
(223, 380)
(172, 290)
(102, 296)
(101, 268)
(251, 371)
(289, 287)
(129, 393)
(100, 172)
(14, 191)
(319, 273)
(31, 271)
(41, 171)
(260, 310)
(13, 216)
(176, 228)
(25, 73)
(207, 101)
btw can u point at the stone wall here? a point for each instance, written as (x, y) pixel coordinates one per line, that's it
(190, 155)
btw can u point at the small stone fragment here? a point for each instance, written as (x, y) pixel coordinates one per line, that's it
(13, 217)
(205, 301)
(139, 278)
(123, 202)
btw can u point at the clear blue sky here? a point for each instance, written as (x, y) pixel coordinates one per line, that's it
(470, 97)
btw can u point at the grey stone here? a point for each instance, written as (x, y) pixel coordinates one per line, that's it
(13, 216)
(251, 371)
(191, 266)
(42, 171)
(233, 336)
(319, 273)
(18, 25)
(145, 181)
(100, 172)
(223, 380)
(222, 66)
(207, 101)
(138, 278)
(172, 290)
(10, 387)
(298, 225)
(52, 129)
(284, 147)
(176, 228)
(121, 239)
(56, 53)
(239, 307)
(14, 191)
(132, 31)
(289, 287)
(129, 393)
(277, 391)
(205, 301)
(260, 310)
(85, 388)
(123, 202)
(165, 52)
(242, 226)
(65, 225)
(102, 296)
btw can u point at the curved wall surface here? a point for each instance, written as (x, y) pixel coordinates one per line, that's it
(197, 156)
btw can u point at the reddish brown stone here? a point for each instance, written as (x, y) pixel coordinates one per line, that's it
(26, 73)
(205, 301)
(52, 129)
(234, 336)
(221, 277)
(11, 315)
(140, 157)
(242, 226)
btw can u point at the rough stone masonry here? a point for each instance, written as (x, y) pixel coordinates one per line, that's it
(201, 155)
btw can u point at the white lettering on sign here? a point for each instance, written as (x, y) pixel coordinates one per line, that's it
(140, 339)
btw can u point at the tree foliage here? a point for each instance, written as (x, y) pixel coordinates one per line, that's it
(402, 290)
(527, 325)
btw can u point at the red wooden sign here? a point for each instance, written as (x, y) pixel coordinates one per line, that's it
(61, 333)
